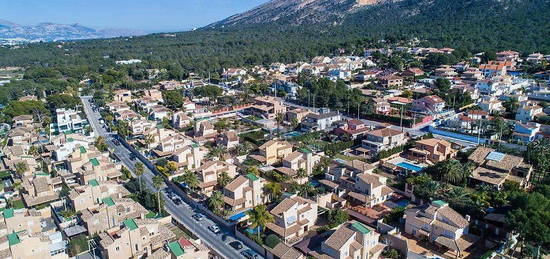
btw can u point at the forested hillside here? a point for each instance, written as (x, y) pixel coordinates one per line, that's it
(475, 25)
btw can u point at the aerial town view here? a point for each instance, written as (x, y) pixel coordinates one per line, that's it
(276, 129)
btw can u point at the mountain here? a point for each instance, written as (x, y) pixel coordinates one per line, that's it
(298, 12)
(54, 32)
(296, 30)
(475, 25)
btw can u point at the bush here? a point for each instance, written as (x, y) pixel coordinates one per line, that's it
(337, 217)
(272, 240)
(78, 244)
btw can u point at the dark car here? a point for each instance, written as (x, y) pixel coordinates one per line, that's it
(177, 201)
(116, 142)
(132, 156)
(236, 245)
(198, 217)
(249, 254)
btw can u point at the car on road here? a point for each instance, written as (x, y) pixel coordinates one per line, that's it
(177, 201)
(116, 142)
(132, 156)
(198, 217)
(215, 229)
(250, 254)
(236, 245)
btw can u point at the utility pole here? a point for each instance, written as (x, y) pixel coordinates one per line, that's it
(479, 131)
(401, 119)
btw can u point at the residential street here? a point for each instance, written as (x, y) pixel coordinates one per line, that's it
(182, 213)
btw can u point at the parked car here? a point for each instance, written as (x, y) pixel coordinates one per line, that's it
(250, 254)
(215, 229)
(236, 245)
(198, 217)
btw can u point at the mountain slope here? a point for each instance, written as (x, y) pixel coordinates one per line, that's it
(297, 12)
(471, 25)
(54, 32)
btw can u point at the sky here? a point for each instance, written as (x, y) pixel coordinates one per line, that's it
(148, 15)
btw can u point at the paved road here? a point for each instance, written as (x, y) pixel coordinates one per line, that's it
(182, 213)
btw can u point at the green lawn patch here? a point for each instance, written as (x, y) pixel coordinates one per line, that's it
(17, 204)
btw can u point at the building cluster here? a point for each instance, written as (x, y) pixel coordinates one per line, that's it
(60, 192)
(302, 164)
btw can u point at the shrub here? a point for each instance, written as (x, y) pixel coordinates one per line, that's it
(272, 240)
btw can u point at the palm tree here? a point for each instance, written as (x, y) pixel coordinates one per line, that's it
(33, 151)
(20, 168)
(223, 179)
(279, 118)
(294, 122)
(216, 152)
(242, 149)
(273, 189)
(451, 171)
(456, 195)
(149, 139)
(305, 189)
(191, 179)
(301, 173)
(158, 181)
(215, 202)
(139, 172)
(259, 217)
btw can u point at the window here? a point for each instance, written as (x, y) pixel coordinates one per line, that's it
(117, 248)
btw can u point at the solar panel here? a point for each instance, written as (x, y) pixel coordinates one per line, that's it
(495, 156)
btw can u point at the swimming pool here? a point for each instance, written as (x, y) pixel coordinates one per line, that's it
(238, 216)
(402, 203)
(292, 134)
(409, 166)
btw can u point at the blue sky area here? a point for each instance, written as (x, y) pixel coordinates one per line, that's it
(148, 15)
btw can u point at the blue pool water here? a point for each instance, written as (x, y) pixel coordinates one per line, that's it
(314, 183)
(402, 203)
(292, 134)
(238, 216)
(409, 166)
(252, 230)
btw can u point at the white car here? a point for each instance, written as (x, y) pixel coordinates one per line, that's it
(215, 229)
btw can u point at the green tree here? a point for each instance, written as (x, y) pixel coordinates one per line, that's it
(337, 217)
(259, 217)
(21, 168)
(443, 85)
(35, 108)
(279, 118)
(58, 101)
(294, 123)
(301, 173)
(158, 181)
(223, 179)
(531, 218)
(33, 151)
(215, 202)
(538, 154)
(274, 190)
(173, 99)
(139, 172)
(191, 179)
